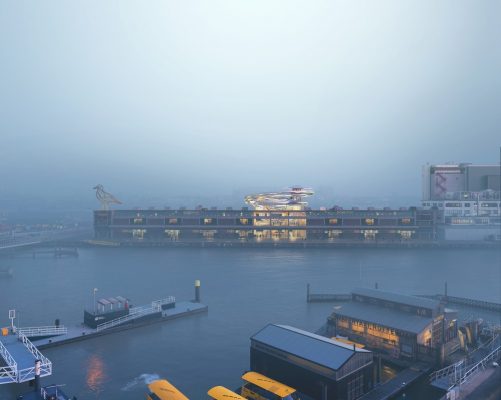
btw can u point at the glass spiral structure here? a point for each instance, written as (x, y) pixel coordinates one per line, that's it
(291, 199)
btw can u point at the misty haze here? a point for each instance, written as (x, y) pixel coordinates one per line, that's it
(300, 193)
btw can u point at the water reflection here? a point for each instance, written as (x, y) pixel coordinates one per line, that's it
(95, 373)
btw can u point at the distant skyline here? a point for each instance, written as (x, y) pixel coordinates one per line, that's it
(210, 100)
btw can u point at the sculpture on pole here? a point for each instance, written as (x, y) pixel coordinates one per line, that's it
(105, 198)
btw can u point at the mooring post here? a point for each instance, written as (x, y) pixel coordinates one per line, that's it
(37, 376)
(197, 291)
(307, 292)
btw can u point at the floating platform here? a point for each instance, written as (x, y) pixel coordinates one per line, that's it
(341, 297)
(57, 252)
(19, 355)
(82, 332)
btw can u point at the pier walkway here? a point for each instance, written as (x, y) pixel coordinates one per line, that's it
(463, 371)
(17, 240)
(398, 383)
(82, 332)
(19, 356)
(18, 353)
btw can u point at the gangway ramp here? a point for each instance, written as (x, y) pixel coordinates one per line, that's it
(461, 372)
(19, 355)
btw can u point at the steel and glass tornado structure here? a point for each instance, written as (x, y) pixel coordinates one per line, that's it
(282, 217)
(289, 199)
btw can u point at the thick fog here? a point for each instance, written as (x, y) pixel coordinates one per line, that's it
(172, 102)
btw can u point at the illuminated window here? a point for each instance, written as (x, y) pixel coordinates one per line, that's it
(138, 220)
(357, 326)
(208, 235)
(333, 221)
(333, 234)
(172, 234)
(172, 221)
(244, 221)
(369, 221)
(207, 221)
(406, 234)
(343, 323)
(138, 233)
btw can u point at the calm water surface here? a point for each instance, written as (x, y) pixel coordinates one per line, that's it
(244, 288)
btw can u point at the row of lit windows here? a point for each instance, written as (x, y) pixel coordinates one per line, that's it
(462, 204)
(262, 234)
(265, 221)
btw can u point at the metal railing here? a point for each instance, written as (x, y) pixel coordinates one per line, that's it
(160, 303)
(459, 373)
(134, 313)
(451, 372)
(8, 374)
(43, 331)
(45, 395)
(137, 312)
(45, 364)
(493, 355)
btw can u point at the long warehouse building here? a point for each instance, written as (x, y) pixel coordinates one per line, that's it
(266, 225)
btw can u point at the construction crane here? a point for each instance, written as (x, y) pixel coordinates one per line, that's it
(105, 198)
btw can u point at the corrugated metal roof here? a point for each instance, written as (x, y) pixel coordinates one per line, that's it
(306, 345)
(397, 298)
(383, 316)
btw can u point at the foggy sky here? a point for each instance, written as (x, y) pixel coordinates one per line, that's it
(191, 98)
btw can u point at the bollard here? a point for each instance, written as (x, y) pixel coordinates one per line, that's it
(197, 291)
(37, 375)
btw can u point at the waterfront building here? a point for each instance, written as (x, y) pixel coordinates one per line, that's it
(227, 225)
(275, 217)
(467, 200)
(319, 367)
(398, 325)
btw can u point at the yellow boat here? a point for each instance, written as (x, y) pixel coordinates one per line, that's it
(260, 387)
(164, 390)
(221, 393)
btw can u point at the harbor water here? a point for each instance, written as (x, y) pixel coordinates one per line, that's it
(245, 289)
